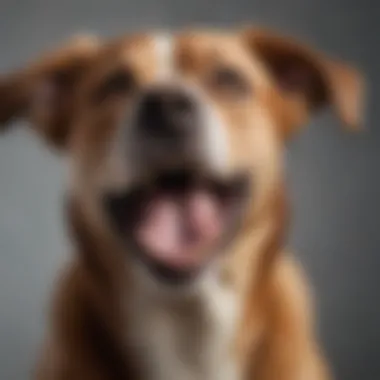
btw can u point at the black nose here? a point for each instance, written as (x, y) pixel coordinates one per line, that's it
(166, 113)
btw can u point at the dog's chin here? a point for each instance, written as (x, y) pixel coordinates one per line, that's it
(179, 222)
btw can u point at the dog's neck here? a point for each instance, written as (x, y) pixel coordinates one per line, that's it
(221, 318)
(187, 338)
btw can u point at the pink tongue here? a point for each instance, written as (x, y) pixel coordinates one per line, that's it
(176, 231)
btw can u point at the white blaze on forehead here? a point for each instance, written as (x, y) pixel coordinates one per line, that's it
(164, 50)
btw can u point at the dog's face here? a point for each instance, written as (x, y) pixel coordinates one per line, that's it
(172, 138)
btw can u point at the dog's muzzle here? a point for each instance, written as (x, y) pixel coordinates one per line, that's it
(179, 213)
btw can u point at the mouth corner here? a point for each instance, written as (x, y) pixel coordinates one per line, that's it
(178, 221)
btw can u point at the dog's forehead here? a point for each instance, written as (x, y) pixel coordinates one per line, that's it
(163, 52)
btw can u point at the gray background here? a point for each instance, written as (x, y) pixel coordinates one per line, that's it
(333, 177)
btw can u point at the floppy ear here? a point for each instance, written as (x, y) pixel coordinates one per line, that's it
(43, 92)
(308, 80)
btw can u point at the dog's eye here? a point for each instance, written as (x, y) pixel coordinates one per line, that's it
(229, 81)
(119, 82)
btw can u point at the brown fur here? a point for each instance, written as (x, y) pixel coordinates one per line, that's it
(276, 338)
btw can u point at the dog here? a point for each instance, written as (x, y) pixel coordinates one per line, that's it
(176, 201)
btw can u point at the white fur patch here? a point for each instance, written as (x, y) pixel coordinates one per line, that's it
(188, 337)
(164, 49)
(215, 141)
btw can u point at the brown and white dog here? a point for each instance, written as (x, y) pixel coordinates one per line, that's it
(176, 202)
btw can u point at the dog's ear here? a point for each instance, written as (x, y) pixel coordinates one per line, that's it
(44, 91)
(308, 80)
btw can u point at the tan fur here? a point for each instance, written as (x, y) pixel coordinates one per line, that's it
(273, 335)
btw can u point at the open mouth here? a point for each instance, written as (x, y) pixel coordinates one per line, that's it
(179, 221)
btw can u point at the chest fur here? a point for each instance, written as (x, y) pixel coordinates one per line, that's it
(187, 339)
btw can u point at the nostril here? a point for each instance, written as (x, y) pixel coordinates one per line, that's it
(152, 107)
(182, 103)
(182, 108)
(151, 114)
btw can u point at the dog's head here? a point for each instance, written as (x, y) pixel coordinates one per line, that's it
(172, 138)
